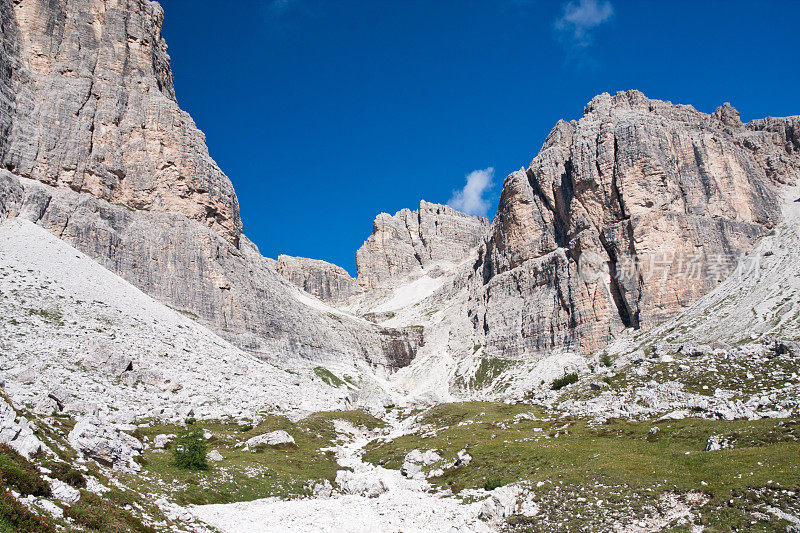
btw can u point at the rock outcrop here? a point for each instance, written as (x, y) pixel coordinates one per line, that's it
(326, 281)
(88, 103)
(17, 431)
(108, 445)
(624, 218)
(408, 244)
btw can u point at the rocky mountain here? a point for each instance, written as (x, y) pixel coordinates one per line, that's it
(624, 218)
(408, 244)
(328, 282)
(626, 329)
(135, 188)
(98, 75)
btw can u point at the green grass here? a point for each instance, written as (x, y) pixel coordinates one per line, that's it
(614, 461)
(283, 471)
(328, 377)
(105, 514)
(488, 370)
(20, 474)
(16, 518)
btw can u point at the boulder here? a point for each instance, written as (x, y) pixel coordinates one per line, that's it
(18, 432)
(462, 458)
(65, 493)
(366, 484)
(162, 441)
(322, 490)
(500, 505)
(273, 438)
(110, 362)
(106, 444)
(60, 396)
(416, 459)
(717, 442)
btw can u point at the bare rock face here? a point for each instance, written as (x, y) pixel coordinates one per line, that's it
(326, 281)
(409, 244)
(87, 102)
(95, 149)
(235, 291)
(624, 218)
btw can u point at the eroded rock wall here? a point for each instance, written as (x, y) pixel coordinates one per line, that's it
(408, 244)
(88, 103)
(624, 218)
(326, 281)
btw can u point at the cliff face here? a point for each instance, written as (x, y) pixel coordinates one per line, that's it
(412, 243)
(324, 280)
(88, 103)
(95, 149)
(182, 263)
(624, 218)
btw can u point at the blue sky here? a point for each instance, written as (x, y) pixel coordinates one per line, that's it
(324, 114)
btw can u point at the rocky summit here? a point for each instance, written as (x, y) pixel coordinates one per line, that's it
(618, 349)
(598, 233)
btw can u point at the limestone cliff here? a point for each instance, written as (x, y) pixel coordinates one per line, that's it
(95, 149)
(88, 103)
(408, 244)
(624, 218)
(328, 282)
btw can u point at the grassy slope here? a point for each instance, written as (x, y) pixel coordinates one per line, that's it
(283, 471)
(618, 462)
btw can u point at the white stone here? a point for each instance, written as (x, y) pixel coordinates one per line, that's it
(360, 484)
(273, 438)
(64, 492)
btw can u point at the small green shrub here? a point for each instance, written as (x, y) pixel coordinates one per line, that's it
(492, 483)
(244, 428)
(560, 383)
(190, 450)
(606, 360)
(21, 474)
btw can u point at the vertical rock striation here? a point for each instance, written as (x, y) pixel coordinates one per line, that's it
(408, 244)
(324, 280)
(624, 218)
(88, 103)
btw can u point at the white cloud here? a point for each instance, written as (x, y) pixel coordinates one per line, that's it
(471, 199)
(581, 17)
